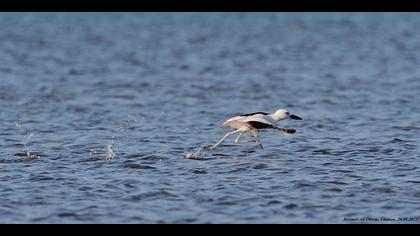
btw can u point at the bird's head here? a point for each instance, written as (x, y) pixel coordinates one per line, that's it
(283, 114)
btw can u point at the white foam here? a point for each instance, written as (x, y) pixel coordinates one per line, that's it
(30, 156)
(196, 155)
(110, 152)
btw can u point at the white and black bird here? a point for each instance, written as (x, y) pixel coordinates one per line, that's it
(253, 122)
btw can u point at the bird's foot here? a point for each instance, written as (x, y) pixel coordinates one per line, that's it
(259, 144)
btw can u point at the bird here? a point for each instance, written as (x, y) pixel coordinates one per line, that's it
(253, 123)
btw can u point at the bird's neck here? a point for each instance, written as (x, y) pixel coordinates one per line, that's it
(275, 118)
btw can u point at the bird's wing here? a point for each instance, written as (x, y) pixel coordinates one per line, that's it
(258, 122)
(241, 119)
(258, 118)
(231, 120)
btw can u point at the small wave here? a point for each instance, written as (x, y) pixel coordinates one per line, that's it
(291, 206)
(154, 158)
(261, 166)
(199, 171)
(138, 166)
(383, 190)
(337, 190)
(153, 195)
(321, 151)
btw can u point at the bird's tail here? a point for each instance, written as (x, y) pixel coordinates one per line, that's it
(287, 132)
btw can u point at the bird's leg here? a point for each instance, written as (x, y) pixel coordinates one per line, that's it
(237, 140)
(258, 142)
(223, 139)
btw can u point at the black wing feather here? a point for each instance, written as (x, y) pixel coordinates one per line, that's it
(260, 125)
(255, 113)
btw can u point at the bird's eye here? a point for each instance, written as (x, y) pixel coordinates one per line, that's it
(287, 113)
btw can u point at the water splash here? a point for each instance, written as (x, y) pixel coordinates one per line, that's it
(122, 126)
(98, 153)
(28, 136)
(27, 153)
(195, 155)
(31, 156)
(110, 152)
(27, 139)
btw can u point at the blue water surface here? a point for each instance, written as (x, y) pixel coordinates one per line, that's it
(100, 110)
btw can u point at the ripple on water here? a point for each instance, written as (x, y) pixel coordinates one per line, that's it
(336, 190)
(342, 171)
(17, 145)
(383, 190)
(20, 160)
(261, 166)
(336, 182)
(40, 178)
(219, 154)
(397, 140)
(154, 158)
(388, 151)
(92, 159)
(273, 202)
(66, 214)
(138, 166)
(199, 171)
(153, 195)
(291, 206)
(322, 151)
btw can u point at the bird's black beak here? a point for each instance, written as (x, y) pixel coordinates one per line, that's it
(295, 117)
